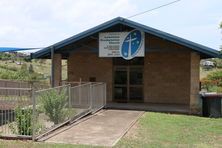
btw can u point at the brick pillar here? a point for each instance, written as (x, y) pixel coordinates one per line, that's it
(195, 102)
(56, 70)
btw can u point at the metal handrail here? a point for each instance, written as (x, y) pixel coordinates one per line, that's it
(11, 88)
(52, 88)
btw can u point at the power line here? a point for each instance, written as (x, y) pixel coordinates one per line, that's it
(154, 8)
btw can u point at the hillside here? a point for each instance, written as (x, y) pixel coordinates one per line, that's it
(12, 65)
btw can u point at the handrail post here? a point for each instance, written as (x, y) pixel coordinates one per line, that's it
(69, 97)
(105, 94)
(91, 95)
(33, 114)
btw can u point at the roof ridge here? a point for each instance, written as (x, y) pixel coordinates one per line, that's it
(165, 35)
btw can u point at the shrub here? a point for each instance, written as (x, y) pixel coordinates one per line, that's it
(6, 67)
(27, 59)
(7, 74)
(5, 56)
(54, 103)
(213, 82)
(23, 121)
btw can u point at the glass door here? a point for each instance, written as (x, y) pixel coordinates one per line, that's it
(120, 84)
(128, 80)
(135, 84)
(128, 83)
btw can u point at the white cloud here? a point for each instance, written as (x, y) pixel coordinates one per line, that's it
(44, 22)
(40, 23)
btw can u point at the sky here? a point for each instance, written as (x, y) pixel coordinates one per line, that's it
(41, 23)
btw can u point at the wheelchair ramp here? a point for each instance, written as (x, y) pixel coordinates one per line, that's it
(104, 128)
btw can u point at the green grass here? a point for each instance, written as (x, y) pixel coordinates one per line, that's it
(157, 130)
(29, 144)
(165, 130)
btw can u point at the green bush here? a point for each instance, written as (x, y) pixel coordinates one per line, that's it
(23, 121)
(216, 78)
(218, 62)
(7, 74)
(54, 103)
(5, 56)
(213, 82)
(9, 68)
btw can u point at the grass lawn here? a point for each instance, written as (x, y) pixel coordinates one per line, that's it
(167, 130)
(157, 130)
(20, 144)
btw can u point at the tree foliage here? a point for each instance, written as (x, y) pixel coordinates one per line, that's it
(213, 82)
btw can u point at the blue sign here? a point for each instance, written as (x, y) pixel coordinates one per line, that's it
(131, 44)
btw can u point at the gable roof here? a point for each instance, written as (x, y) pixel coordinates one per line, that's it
(211, 53)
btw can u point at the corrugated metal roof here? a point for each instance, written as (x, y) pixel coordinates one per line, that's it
(119, 20)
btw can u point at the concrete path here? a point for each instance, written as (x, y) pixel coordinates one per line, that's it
(103, 129)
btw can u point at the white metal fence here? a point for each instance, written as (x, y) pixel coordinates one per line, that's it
(54, 107)
(34, 113)
(98, 96)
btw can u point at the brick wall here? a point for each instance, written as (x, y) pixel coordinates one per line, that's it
(167, 77)
(85, 65)
(194, 81)
(57, 61)
(171, 72)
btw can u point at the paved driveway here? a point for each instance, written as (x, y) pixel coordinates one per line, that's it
(104, 128)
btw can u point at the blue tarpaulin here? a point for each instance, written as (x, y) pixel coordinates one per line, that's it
(11, 49)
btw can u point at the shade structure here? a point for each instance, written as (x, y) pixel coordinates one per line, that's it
(11, 49)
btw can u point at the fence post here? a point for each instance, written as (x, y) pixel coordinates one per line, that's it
(33, 114)
(91, 96)
(80, 92)
(105, 94)
(69, 97)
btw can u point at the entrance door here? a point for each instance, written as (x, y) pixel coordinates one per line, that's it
(128, 81)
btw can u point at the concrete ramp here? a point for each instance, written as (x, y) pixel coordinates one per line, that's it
(104, 128)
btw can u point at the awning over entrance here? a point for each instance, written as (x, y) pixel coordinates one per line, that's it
(13, 49)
